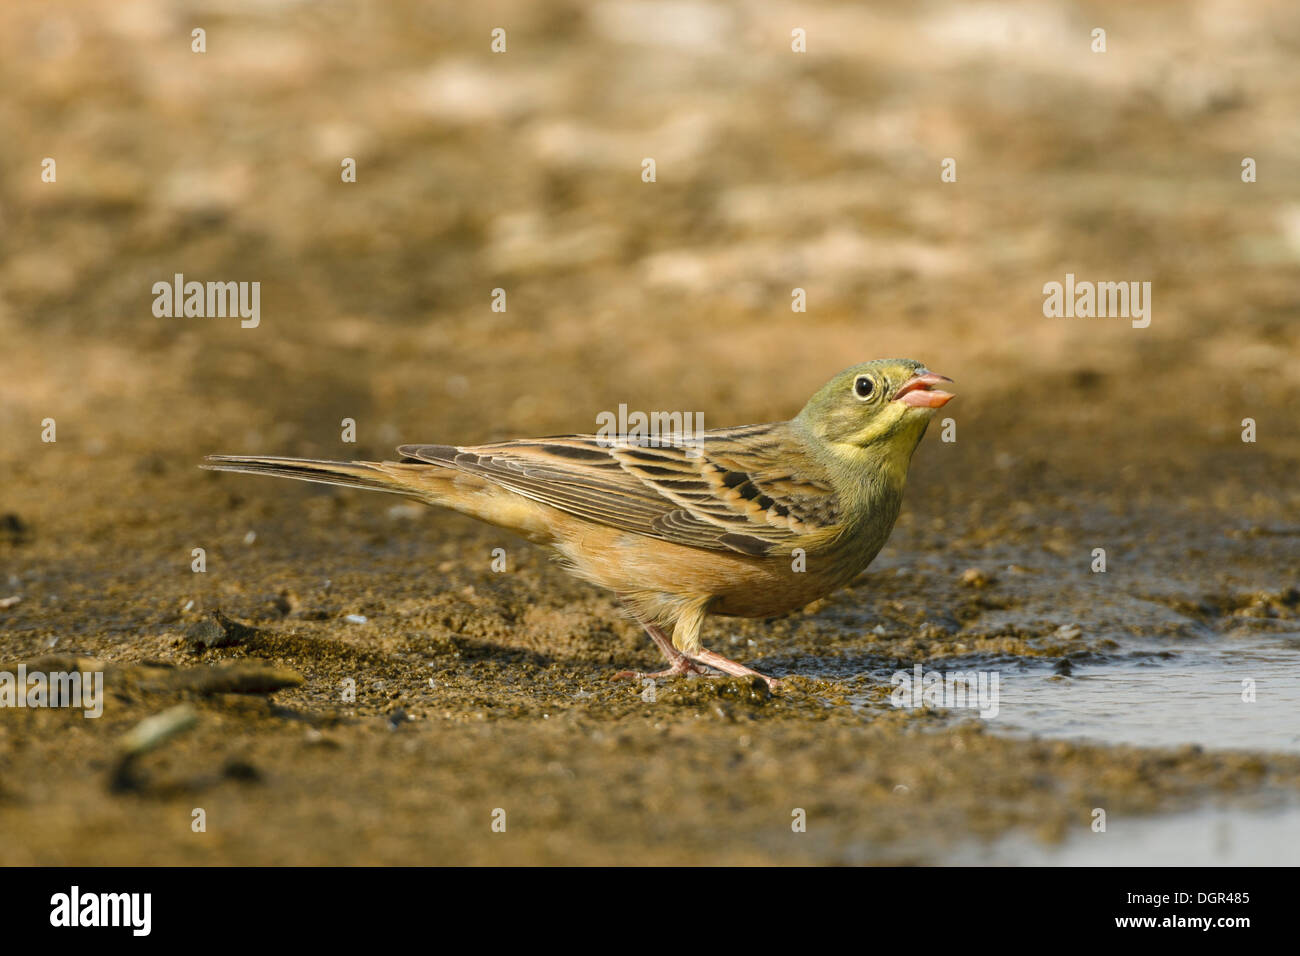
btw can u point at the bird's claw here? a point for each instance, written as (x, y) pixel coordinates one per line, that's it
(677, 669)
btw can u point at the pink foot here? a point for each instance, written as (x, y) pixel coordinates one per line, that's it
(718, 662)
(678, 663)
(678, 668)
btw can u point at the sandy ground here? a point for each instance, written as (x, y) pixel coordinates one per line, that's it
(479, 691)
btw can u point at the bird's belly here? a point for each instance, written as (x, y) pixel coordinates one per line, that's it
(780, 590)
(735, 585)
(786, 585)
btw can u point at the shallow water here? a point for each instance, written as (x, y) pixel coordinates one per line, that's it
(1188, 694)
(1209, 836)
(1191, 695)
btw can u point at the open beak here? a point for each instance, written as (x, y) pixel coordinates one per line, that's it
(920, 392)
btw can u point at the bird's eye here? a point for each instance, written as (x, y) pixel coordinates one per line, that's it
(863, 387)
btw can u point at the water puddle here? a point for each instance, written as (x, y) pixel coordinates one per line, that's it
(1181, 694)
(1210, 836)
(1241, 693)
(1199, 695)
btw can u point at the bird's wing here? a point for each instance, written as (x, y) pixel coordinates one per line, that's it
(751, 490)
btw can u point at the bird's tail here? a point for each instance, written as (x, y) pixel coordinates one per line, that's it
(371, 475)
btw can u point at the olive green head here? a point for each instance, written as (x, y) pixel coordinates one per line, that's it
(880, 405)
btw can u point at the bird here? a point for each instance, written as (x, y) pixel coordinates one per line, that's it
(752, 521)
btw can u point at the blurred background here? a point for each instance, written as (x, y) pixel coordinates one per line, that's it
(522, 171)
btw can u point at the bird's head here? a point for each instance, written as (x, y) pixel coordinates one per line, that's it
(880, 406)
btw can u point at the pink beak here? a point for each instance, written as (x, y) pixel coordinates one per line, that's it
(919, 391)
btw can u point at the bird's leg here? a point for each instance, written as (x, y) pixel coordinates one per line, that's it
(718, 662)
(686, 640)
(678, 663)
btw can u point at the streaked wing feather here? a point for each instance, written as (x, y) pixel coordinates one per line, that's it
(744, 490)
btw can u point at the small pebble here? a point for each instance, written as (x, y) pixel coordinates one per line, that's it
(215, 630)
(314, 738)
(241, 770)
(250, 537)
(13, 528)
(153, 731)
(355, 618)
(286, 602)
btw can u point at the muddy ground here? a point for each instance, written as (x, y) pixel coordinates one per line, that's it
(479, 690)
